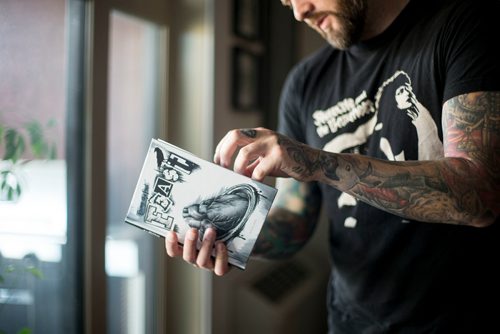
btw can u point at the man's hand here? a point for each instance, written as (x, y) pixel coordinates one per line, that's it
(199, 258)
(261, 152)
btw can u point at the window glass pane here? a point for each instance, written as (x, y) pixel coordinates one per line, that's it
(35, 249)
(132, 121)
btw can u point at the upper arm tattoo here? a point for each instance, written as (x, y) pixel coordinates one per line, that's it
(301, 198)
(471, 125)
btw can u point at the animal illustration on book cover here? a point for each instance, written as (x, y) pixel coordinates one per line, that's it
(177, 191)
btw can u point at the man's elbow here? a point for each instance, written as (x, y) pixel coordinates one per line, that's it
(487, 219)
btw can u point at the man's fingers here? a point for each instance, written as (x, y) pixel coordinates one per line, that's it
(172, 245)
(227, 147)
(217, 150)
(204, 259)
(264, 168)
(233, 140)
(201, 258)
(249, 169)
(221, 258)
(189, 251)
(246, 156)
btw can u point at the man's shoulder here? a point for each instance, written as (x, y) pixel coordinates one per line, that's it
(470, 7)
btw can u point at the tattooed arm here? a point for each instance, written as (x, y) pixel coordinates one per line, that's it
(291, 221)
(461, 188)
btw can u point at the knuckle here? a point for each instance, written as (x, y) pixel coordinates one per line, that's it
(275, 137)
(245, 152)
(234, 134)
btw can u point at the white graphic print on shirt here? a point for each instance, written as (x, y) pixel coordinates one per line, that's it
(349, 110)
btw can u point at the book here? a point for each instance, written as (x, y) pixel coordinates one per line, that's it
(176, 190)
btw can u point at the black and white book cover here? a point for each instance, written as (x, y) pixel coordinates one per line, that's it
(177, 190)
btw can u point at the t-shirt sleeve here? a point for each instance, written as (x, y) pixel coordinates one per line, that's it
(289, 117)
(470, 47)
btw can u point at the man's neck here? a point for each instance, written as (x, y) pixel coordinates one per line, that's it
(380, 15)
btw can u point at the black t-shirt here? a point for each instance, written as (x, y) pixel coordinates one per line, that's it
(383, 98)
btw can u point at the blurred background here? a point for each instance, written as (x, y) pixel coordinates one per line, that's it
(84, 86)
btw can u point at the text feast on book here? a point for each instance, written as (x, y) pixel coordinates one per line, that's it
(171, 169)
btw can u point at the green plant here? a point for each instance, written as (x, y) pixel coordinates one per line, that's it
(15, 142)
(11, 269)
(10, 275)
(20, 145)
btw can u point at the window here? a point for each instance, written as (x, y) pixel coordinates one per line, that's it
(38, 243)
(135, 77)
(92, 77)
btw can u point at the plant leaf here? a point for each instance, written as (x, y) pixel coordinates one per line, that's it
(37, 141)
(51, 123)
(6, 188)
(3, 179)
(18, 190)
(53, 152)
(2, 130)
(14, 145)
(24, 330)
(35, 272)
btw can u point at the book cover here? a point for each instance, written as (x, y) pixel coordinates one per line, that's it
(177, 190)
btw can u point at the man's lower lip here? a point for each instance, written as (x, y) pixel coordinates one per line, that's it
(321, 23)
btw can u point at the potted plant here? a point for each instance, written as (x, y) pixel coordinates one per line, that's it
(19, 146)
(12, 274)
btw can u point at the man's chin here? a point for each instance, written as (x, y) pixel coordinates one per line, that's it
(339, 43)
(335, 39)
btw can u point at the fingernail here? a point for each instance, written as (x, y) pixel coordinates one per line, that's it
(209, 234)
(191, 235)
(170, 237)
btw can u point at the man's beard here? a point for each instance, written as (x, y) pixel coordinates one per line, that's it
(351, 16)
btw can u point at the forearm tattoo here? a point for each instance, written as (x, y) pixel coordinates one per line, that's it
(461, 189)
(251, 133)
(305, 159)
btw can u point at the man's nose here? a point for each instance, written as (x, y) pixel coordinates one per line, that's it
(302, 9)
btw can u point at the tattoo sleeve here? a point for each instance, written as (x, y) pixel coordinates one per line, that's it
(291, 222)
(461, 188)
